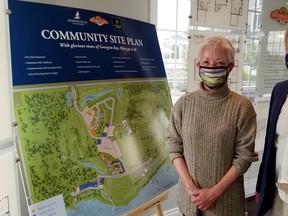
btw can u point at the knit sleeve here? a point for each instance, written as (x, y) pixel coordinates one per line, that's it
(245, 140)
(174, 144)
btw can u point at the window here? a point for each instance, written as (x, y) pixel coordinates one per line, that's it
(172, 28)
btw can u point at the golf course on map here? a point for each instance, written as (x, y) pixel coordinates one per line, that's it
(92, 141)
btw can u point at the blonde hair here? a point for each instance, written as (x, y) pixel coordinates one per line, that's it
(218, 41)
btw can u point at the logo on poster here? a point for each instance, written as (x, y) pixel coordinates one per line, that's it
(117, 24)
(77, 20)
(281, 15)
(98, 20)
(77, 16)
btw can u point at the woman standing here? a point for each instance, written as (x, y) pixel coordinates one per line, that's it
(211, 138)
(274, 165)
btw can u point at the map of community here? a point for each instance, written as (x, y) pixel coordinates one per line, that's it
(101, 141)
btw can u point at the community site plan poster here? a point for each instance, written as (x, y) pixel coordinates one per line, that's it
(92, 105)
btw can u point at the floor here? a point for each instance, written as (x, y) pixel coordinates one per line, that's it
(251, 206)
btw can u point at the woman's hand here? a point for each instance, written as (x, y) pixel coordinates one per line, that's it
(204, 198)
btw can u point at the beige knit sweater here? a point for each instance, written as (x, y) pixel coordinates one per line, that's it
(213, 131)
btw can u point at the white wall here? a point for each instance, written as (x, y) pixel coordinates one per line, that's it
(5, 81)
(135, 9)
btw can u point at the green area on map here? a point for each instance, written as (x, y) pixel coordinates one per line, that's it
(92, 141)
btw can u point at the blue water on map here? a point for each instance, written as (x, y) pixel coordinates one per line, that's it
(93, 166)
(69, 98)
(94, 96)
(162, 181)
(119, 93)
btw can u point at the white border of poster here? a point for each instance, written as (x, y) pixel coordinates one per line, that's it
(5, 91)
(225, 14)
(9, 197)
(235, 77)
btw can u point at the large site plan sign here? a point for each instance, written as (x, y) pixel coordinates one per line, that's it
(92, 105)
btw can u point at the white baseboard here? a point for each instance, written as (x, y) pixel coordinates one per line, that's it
(250, 187)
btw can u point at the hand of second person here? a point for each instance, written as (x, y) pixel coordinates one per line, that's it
(204, 198)
(257, 197)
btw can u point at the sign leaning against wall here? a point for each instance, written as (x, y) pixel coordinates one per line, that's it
(92, 104)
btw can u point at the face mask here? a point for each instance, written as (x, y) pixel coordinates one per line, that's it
(286, 60)
(213, 76)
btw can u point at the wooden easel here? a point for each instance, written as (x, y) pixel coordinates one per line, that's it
(155, 202)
